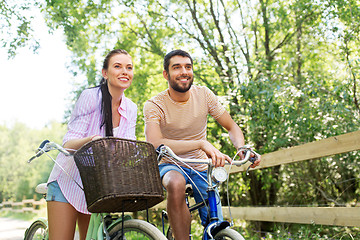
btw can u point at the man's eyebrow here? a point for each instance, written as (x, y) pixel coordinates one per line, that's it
(178, 64)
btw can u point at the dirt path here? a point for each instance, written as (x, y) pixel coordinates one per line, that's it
(13, 229)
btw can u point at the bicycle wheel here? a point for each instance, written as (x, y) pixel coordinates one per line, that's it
(136, 229)
(228, 233)
(36, 231)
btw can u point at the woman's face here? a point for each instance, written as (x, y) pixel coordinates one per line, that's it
(120, 72)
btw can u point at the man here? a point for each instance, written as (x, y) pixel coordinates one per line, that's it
(177, 117)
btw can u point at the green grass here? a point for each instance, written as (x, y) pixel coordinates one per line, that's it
(280, 232)
(26, 216)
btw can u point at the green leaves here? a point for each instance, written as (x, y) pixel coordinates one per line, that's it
(288, 72)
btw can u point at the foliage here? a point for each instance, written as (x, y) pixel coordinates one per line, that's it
(16, 29)
(18, 143)
(287, 71)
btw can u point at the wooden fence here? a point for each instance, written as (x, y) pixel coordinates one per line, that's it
(26, 205)
(339, 216)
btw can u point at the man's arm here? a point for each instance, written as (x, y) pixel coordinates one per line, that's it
(235, 133)
(154, 136)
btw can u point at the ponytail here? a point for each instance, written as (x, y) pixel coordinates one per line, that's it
(106, 108)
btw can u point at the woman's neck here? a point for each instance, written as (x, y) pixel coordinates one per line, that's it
(116, 95)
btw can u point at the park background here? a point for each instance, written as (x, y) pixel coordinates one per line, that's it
(287, 71)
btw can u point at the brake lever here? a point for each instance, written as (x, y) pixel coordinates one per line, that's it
(252, 160)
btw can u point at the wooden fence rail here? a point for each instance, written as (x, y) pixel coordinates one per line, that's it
(337, 216)
(26, 205)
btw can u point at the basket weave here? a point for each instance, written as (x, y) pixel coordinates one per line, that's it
(119, 175)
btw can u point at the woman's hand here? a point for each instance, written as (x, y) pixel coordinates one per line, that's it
(95, 137)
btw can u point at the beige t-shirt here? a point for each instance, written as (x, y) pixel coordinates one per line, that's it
(184, 120)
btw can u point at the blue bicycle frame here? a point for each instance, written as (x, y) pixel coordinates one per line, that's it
(215, 225)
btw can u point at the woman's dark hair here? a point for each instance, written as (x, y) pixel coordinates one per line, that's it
(106, 97)
(177, 52)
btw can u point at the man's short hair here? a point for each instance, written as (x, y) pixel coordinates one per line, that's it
(177, 52)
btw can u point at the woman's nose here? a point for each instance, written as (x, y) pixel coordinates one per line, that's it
(124, 71)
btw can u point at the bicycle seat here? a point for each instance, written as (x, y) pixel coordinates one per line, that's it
(41, 188)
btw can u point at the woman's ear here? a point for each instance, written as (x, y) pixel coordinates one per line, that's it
(104, 73)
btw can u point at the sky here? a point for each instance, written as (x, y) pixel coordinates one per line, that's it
(35, 88)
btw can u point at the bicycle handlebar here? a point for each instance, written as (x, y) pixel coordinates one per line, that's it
(166, 151)
(47, 146)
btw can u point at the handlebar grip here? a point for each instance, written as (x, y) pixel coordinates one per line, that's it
(158, 149)
(40, 150)
(42, 145)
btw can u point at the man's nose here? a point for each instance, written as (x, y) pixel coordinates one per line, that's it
(183, 70)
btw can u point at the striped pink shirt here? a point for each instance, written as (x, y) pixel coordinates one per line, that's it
(85, 121)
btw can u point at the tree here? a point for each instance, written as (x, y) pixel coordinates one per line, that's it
(18, 143)
(16, 30)
(272, 62)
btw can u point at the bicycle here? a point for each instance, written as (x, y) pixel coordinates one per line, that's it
(215, 229)
(105, 221)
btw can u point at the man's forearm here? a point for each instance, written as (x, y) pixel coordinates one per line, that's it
(237, 138)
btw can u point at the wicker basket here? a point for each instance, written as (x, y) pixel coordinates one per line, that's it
(119, 175)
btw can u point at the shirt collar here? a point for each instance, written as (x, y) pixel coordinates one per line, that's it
(123, 106)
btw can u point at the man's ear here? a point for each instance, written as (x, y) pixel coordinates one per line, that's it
(166, 75)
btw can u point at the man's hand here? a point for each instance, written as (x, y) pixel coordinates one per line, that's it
(253, 154)
(257, 162)
(218, 158)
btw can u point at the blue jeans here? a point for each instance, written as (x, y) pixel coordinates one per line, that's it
(200, 184)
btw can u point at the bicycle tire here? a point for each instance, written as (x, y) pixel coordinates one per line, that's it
(136, 229)
(36, 231)
(228, 233)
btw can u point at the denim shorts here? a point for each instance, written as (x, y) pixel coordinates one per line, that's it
(54, 193)
(200, 184)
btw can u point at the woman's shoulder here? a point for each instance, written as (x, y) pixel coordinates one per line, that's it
(93, 91)
(88, 101)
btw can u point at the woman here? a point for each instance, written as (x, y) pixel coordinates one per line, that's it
(99, 111)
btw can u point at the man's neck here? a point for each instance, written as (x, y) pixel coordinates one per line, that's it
(179, 96)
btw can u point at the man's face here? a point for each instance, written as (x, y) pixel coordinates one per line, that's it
(180, 75)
